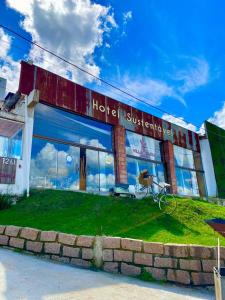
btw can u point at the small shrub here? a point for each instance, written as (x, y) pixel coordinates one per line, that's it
(5, 202)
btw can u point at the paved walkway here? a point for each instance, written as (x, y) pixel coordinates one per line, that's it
(28, 277)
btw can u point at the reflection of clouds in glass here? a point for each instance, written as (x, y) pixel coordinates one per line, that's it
(183, 157)
(53, 122)
(187, 182)
(106, 181)
(50, 168)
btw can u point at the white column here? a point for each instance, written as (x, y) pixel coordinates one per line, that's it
(208, 168)
(30, 102)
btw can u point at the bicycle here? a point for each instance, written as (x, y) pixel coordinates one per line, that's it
(166, 201)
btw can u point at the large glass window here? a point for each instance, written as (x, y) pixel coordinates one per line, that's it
(142, 146)
(187, 183)
(135, 166)
(143, 153)
(183, 157)
(61, 139)
(54, 165)
(55, 123)
(100, 170)
(11, 146)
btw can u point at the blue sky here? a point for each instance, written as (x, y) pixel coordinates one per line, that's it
(169, 53)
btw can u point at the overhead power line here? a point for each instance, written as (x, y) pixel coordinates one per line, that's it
(66, 60)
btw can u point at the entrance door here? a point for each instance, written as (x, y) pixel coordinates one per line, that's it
(99, 171)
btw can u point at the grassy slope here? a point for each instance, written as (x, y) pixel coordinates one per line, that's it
(80, 213)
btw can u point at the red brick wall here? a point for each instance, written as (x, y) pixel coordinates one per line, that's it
(170, 165)
(120, 154)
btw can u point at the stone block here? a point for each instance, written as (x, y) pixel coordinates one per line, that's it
(111, 242)
(29, 233)
(34, 246)
(2, 229)
(71, 252)
(131, 244)
(4, 240)
(60, 258)
(52, 248)
(67, 239)
(80, 263)
(107, 255)
(190, 264)
(222, 252)
(12, 230)
(130, 270)
(16, 242)
(87, 253)
(178, 276)
(154, 248)
(85, 241)
(143, 259)
(176, 250)
(156, 273)
(202, 278)
(201, 251)
(122, 255)
(165, 262)
(208, 264)
(48, 236)
(111, 267)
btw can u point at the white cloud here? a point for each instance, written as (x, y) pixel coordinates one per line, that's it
(219, 117)
(70, 28)
(152, 89)
(127, 16)
(9, 68)
(193, 75)
(179, 121)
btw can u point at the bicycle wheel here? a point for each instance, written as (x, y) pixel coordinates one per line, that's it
(167, 203)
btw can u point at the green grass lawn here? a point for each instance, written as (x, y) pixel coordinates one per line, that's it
(88, 214)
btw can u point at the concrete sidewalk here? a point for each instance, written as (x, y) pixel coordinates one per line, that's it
(28, 277)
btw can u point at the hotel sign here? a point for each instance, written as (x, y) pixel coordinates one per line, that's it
(7, 170)
(60, 92)
(130, 118)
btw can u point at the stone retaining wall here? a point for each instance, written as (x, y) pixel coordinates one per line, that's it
(185, 264)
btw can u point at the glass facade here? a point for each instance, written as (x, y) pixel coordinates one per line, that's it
(58, 124)
(186, 176)
(143, 153)
(59, 137)
(54, 165)
(100, 171)
(12, 147)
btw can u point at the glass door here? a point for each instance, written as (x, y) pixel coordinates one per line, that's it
(99, 170)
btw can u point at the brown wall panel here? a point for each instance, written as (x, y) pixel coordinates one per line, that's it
(63, 93)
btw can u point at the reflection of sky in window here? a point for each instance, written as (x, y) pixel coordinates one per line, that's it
(11, 147)
(187, 182)
(3, 146)
(142, 146)
(50, 167)
(183, 157)
(100, 170)
(55, 123)
(135, 166)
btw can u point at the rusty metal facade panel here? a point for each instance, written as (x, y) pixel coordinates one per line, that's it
(60, 92)
(26, 81)
(7, 170)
